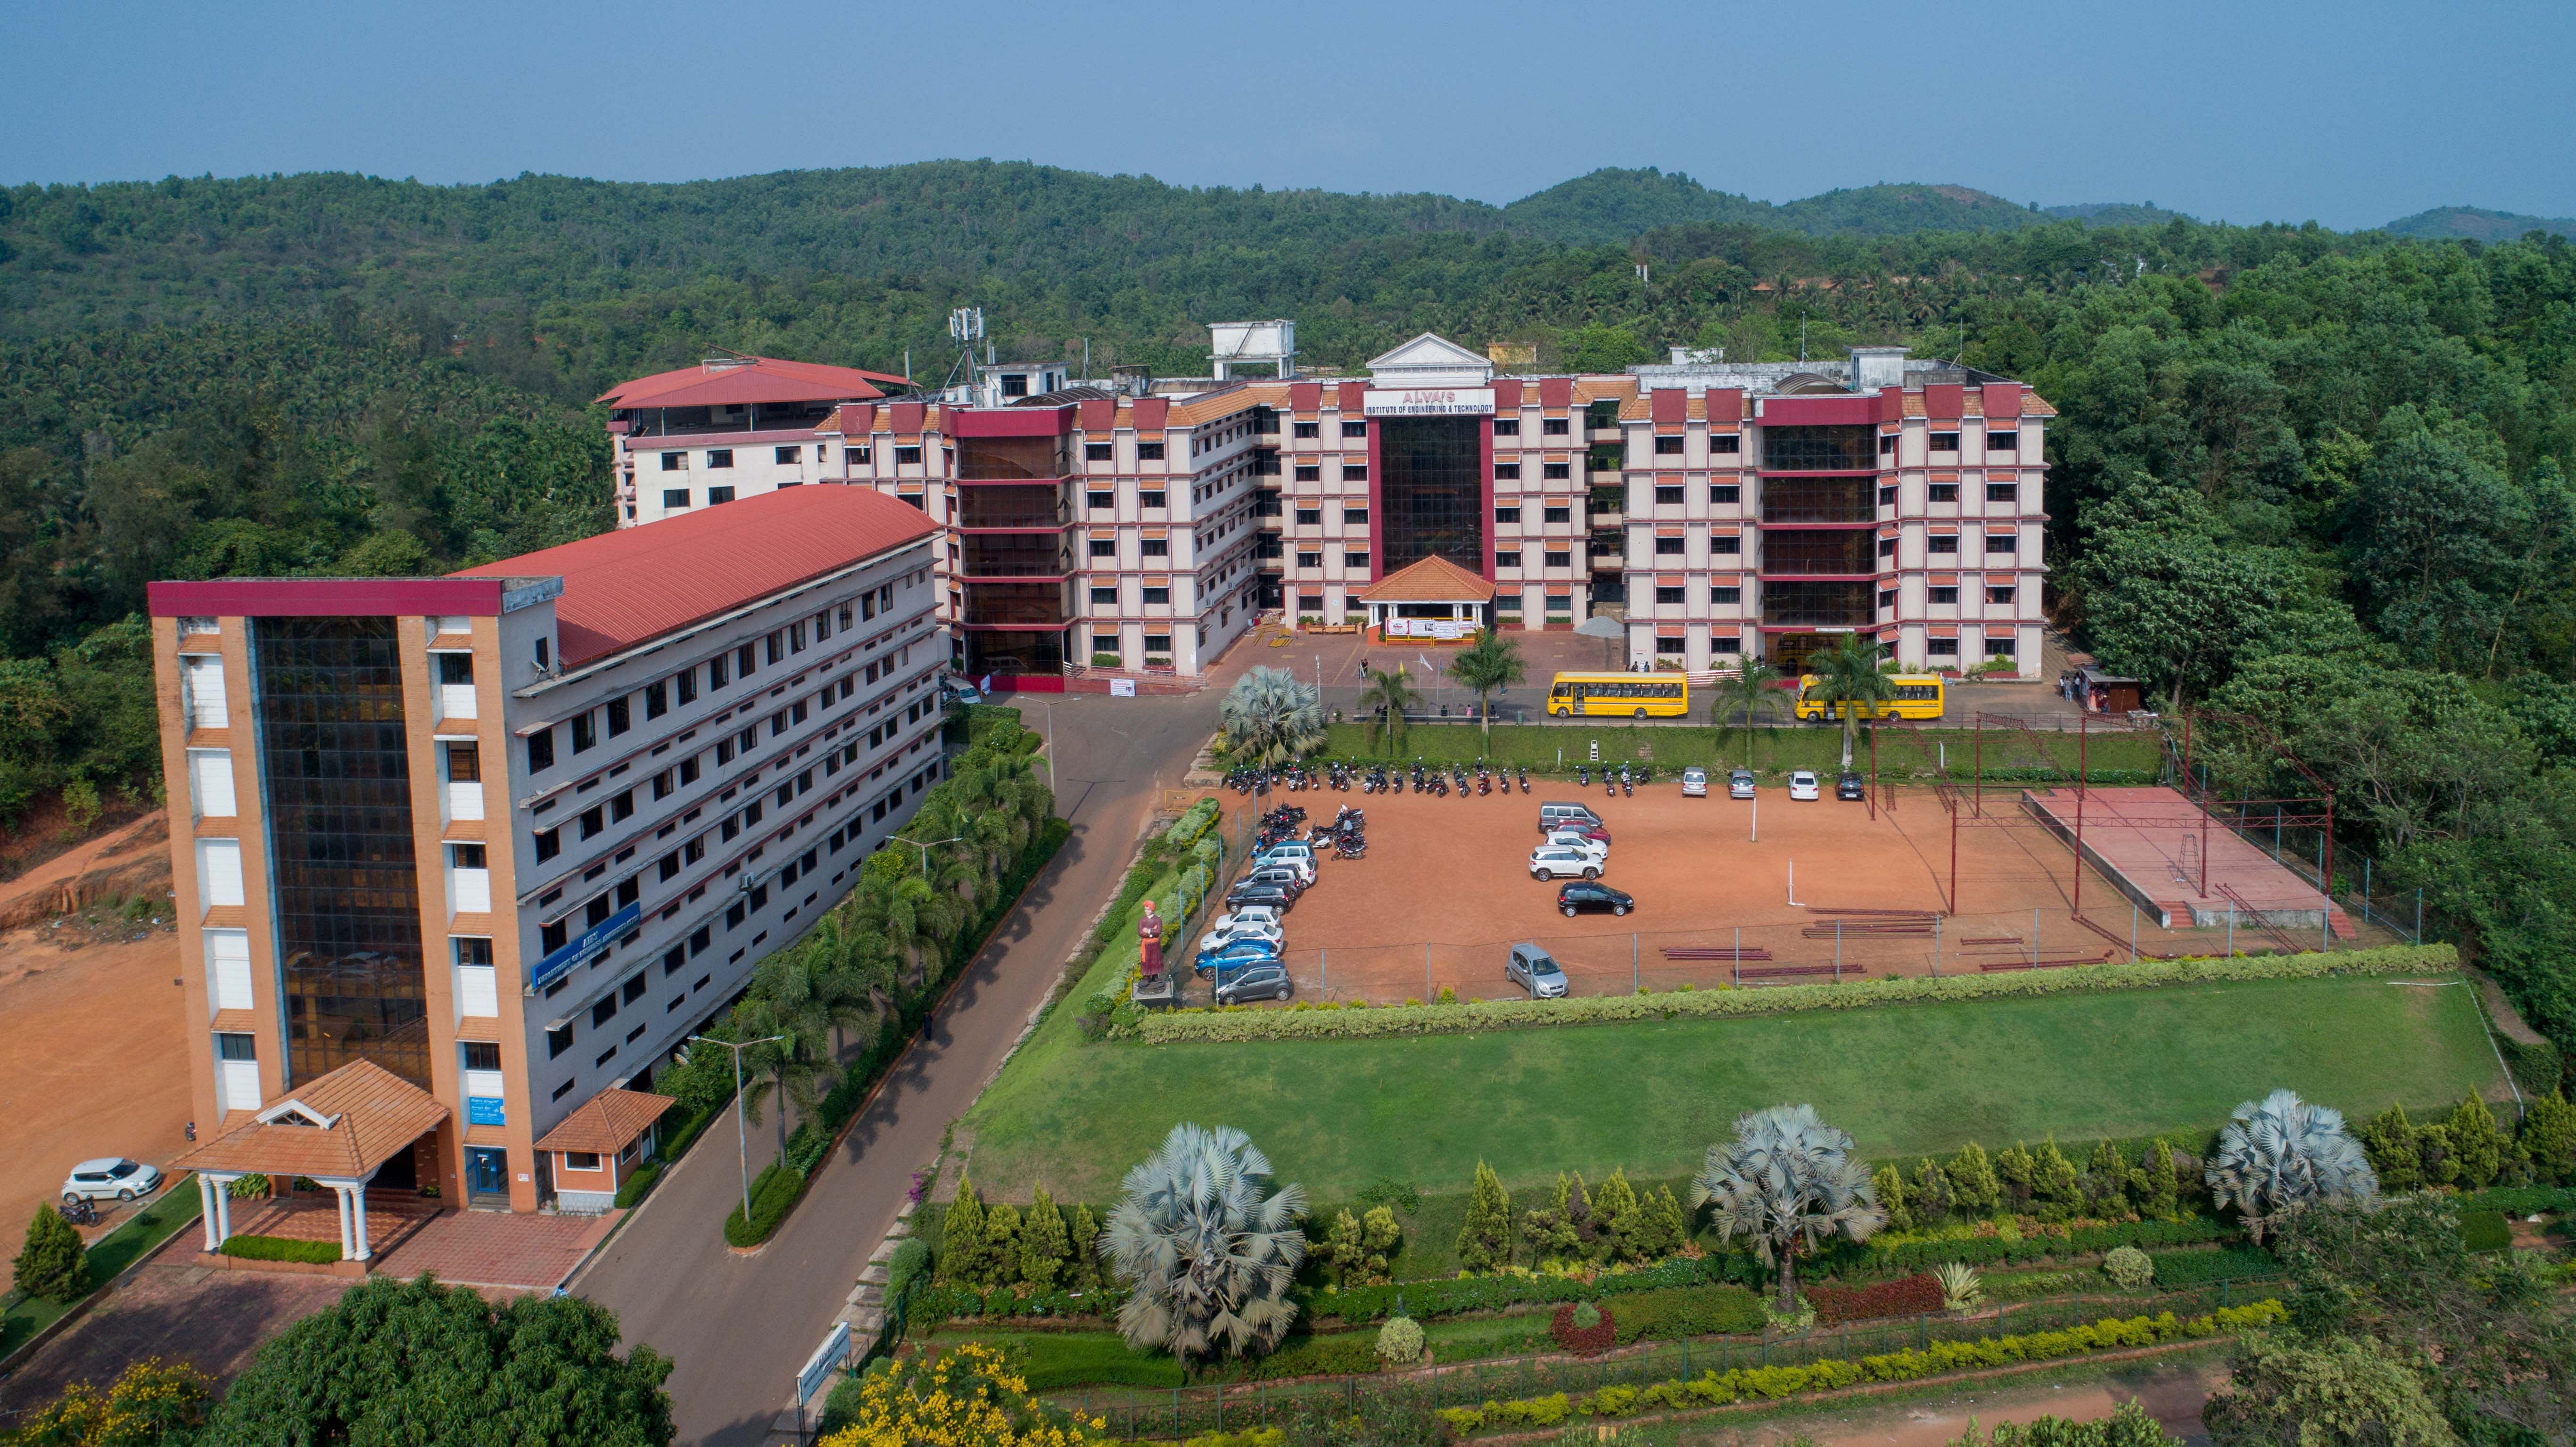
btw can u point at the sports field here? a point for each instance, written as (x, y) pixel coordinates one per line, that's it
(1338, 1115)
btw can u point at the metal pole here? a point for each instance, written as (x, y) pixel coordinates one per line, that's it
(1634, 982)
(1936, 946)
(1051, 784)
(2133, 932)
(741, 1138)
(2082, 732)
(1978, 764)
(2231, 930)
(2419, 914)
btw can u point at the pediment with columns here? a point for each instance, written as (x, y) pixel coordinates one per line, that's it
(1430, 360)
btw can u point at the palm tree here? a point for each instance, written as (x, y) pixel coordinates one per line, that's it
(1787, 1180)
(788, 999)
(1749, 692)
(2281, 1154)
(1491, 662)
(1210, 1248)
(1388, 697)
(1271, 717)
(1851, 681)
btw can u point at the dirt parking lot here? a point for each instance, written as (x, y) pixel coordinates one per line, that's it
(1445, 890)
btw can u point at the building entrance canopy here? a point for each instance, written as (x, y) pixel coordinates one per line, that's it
(334, 1131)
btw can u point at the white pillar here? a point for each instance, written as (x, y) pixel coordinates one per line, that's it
(223, 1211)
(348, 1245)
(206, 1188)
(358, 1214)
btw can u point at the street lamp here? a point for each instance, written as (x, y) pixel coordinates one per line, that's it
(926, 848)
(741, 1140)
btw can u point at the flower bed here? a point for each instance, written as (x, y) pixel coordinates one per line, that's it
(1918, 1295)
(1584, 1338)
(1424, 1300)
(1308, 1021)
(1748, 1384)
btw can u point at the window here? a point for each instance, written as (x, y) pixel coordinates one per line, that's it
(1309, 429)
(1668, 446)
(1310, 560)
(1507, 427)
(786, 455)
(720, 457)
(1725, 442)
(1555, 427)
(585, 732)
(1507, 559)
(1354, 558)
(668, 867)
(1665, 495)
(1507, 514)
(1945, 441)
(907, 456)
(674, 461)
(688, 771)
(1354, 472)
(1999, 543)
(1887, 547)
(1887, 497)
(549, 844)
(1944, 543)
(620, 716)
(1670, 595)
(1100, 501)
(1309, 472)
(1724, 492)
(1507, 472)
(1556, 559)
(1149, 452)
(854, 456)
(1941, 647)
(1104, 547)
(1557, 514)
(592, 822)
(1310, 514)
(675, 497)
(2006, 440)
(581, 1160)
(1728, 594)
(1999, 595)
(622, 808)
(1555, 471)
(1886, 599)
(1096, 451)
(559, 1040)
(1999, 648)
(1150, 499)
(1944, 492)
(1944, 594)
(551, 936)
(1104, 597)
(1356, 517)
(1725, 544)
(1560, 602)
(1355, 429)
(604, 1011)
(1669, 546)
(1672, 645)
(482, 1055)
(633, 989)
(716, 670)
(541, 751)
(743, 660)
(687, 681)
(2003, 492)
(1156, 595)
(719, 494)
(1158, 644)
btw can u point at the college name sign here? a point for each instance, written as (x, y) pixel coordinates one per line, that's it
(1431, 402)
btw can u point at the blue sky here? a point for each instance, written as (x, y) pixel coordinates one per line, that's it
(2350, 114)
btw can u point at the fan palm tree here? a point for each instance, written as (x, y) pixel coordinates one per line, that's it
(1388, 697)
(1270, 717)
(1491, 662)
(1210, 1247)
(2282, 1153)
(1850, 679)
(1749, 692)
(1787, 1181)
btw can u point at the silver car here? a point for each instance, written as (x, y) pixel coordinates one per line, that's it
(111, 1177)
(1694, 783)
(1739, 784)
(1254, 982)
(1536, 971)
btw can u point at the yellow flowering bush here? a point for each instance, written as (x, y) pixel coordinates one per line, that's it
(152, 1402)
(971, 1396)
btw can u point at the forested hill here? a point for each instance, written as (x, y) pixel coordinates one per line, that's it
(2469, 223)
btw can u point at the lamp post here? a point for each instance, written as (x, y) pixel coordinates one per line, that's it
(741, 1140)
(926, 848)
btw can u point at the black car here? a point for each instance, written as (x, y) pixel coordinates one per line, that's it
(1254, 982)
(1269, 894)
(1279, 875)
(1581, 895)
(1849, 786)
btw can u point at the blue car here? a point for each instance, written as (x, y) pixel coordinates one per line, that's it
(1234, 955)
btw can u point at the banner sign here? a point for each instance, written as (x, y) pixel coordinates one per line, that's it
(1122, 688)
(818, 1367)
(1443, 630)
(592, 943)
(1431, 402)
(484, 1110)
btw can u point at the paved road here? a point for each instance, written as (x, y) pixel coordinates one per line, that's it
(738, 1327)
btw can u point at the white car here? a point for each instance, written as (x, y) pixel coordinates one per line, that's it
(111, 1178)
(1694, 783)
(1586, 844)
(1302, 862)
(1262, 932)
(1247, 917)
(1550, 861)
(1803, 785)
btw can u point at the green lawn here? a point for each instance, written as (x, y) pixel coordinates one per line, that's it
(1338, 1115)
(1814, 746)
(175, 1210)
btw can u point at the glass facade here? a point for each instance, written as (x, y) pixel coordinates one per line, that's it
(1809, 604)
(1849, 551)
(1819, 500)
(1820, 449)
(1431, 491)
(347, 890)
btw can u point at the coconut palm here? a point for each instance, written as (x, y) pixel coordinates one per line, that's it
(1787, 1181)
(1749, 692)
(1209, 1247)
(1850, 679)
(1491, 662)
(2283, 1153)
(790, 999)
(1388, 697)
(1270, 717)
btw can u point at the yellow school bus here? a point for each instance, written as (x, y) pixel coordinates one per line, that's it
(1918, 696)
(1619, 695)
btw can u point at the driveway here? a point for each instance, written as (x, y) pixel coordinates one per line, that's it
(737, 1326)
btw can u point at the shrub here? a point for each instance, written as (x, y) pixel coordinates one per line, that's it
(1400, 1341)
(1679, 1312)
(1917, 1295)
(1583, 1329)
(53, 1265)
(280, 1248)
(2485, 1231)
(1485, 1240)
(2129, 1268)
(1349, 1353)
(1925, 1252)
(1424, 1300)
(2227, 1263)
(632, 1189)
(1960, 1289)
(773, 1193)
(909, 1267)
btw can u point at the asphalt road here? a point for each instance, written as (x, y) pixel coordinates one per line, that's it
(738, 1327)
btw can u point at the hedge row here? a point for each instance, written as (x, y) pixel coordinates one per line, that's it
(280, 1248)
(1743, 1384)
(2519, 1200)
(1916, 1295)
(1426, 1299)
(773, 1194)
(2227, 1263)
(1924, 1254)
(1359, 1021)
(1685, 1311)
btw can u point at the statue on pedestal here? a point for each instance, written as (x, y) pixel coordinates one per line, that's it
(1149, 942)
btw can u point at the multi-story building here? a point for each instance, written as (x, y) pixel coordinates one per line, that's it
(1721, 510)
(734, 426)
(495, 843)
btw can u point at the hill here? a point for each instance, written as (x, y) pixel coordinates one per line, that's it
(1611, 207)
(2454, 223)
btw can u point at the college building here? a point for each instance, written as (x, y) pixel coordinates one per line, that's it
(1720, 510)
(459, 860)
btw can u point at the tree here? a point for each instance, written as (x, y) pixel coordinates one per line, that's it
(1082, 1250)
(1042, 1244)
(1485, 1240)
(1748, 693)
(1491, 662)
(151, 1404)
(961, 1237)
(414, 1361)
(1386, 700)
(971, 1393)
(1852, 682)
(53, 1265)
(2395, 1154)
(801, 1005)
(1001, 1254)
(1975, 1189)
(1889, 1182)
(2549, 1135)
(2344, 1390)
(1270, 717)
(1209, 1244)
(1549, 1229)
(2478, 1146)
(2281, 1154)
(1614, 1204)
(1787, 1181)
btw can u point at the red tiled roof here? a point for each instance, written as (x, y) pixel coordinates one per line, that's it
(606, 1122)
(624, 587)
(373, 1114)
(1433, 580)
(761, 379)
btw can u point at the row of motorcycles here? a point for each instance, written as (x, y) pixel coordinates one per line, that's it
(1622, 784)
(1294, 778)
(1346, 836)
(1432, 779)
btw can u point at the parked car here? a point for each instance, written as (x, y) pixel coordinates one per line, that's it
(1581, 843)
(1574, 899)
(1257, 982)
(957, 690)
(1803, 785)
(1284, 875)
(1226, 959)
(1535, 970)
(1265, 931)
(1251, 895)
(1551, 816)
(111, 1178)
(1849, 785)
(1694, 783)
(1249, 915)
(1294, 857)
(1550, 861)
(1739, 783)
